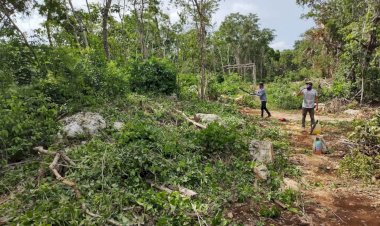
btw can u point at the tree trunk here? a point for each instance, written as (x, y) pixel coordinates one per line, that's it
(48, 30)
(105, 31)
(139, 14)
(202, 58)
(88, 7)
(81, 25)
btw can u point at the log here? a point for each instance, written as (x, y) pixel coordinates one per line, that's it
(159, 187)
(190, 120)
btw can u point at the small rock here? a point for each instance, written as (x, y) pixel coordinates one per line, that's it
(230, 215)
(261, 151)
(118, 125)
(261, 172)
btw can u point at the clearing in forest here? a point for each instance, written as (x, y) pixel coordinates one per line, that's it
(327, 197)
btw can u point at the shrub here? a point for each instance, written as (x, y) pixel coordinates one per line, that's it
(357, 165)
(218, 139)
(79, 77)
(188, 86)
(153, 75)
(27, 119)
(226, 85)
(282, 94)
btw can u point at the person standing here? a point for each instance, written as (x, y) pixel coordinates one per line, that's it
(310, 101)
(263, 98)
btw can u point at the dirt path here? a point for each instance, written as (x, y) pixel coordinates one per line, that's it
(296, 116)
(328, 198)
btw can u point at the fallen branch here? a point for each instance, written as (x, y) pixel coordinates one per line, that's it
(53, 167)
(184, 192)
(190, 120)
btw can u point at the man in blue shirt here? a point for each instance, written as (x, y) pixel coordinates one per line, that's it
(263, 98)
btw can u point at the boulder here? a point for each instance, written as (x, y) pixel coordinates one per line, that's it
(261, 151)
(207, 118)
(261, 172)
(82, 123)
(290, 184)
(118, 125)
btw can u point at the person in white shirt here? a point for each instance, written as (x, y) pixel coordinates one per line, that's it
(310, 101)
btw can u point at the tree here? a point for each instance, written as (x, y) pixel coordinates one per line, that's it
(351, 34)
(242, 40)
(201, 11)
(104, 29)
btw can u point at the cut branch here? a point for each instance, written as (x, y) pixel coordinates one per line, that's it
(184, 192)
(190, 120)
(54, 168)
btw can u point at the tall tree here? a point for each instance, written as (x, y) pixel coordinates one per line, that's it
(105, 13)
(201, 12)
(352, 30)
(80, 23)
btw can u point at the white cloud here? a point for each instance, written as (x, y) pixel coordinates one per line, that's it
(280, 45)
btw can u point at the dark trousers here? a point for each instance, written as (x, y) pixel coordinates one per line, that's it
(304, 113)
(264, 107)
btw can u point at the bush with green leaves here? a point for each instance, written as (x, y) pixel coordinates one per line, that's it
(358, 165)
(153, 75)
(27, 119)
(228, 84)
(219, 139)
(82, 77)
(364, 161)
(188, 86)
(282, 94)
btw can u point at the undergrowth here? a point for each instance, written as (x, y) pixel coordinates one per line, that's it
(112, 170)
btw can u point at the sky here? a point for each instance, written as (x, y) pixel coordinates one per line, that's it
(281, 15)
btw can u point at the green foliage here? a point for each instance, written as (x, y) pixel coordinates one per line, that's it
(153, 75)
(188, 86)
(283, 94)
(75, 76)
(224, 85)
(270, 212)
(364, 161)
(358, 165)
(367, 133)
(217, 139)
(27, 119)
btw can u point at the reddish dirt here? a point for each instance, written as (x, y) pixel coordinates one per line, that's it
(328, 198)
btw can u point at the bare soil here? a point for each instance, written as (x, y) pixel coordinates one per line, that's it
(328, 198)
